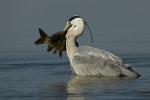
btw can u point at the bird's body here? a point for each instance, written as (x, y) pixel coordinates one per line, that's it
(89, 61)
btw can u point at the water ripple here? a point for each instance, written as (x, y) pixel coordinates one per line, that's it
(31, 65)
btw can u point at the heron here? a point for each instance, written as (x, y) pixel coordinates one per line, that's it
(91, 61)
(84, 60)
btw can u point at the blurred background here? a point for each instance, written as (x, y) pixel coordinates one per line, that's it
(117, 25)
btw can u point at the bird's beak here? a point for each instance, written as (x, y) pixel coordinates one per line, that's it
(68, 25)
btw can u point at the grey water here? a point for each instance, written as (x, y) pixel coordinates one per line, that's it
(37, 75)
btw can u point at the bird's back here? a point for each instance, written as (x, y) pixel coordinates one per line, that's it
(86, 51)
(92, 61)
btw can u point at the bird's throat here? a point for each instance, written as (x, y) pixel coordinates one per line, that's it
(71, 46)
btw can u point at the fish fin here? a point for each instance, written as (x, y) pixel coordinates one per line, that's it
(44, 39)
(49, 48)
(55, 51)
(60, 54)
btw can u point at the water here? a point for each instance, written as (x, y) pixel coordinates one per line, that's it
(37, 75)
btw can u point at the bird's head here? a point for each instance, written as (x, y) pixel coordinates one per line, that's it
(74, 26)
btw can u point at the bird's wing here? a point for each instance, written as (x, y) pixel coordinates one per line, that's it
(97, 60)
(90, 52)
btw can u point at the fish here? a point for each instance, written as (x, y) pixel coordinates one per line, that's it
(56, 42)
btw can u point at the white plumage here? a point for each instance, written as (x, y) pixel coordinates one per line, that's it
(92, 61)
(89, 61)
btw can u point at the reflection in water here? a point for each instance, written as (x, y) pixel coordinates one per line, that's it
(79, 87)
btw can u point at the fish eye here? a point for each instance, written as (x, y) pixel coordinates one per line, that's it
(74, 26)
(69, 23)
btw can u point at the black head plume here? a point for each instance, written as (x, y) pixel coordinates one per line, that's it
(76, 16)
(72, 18)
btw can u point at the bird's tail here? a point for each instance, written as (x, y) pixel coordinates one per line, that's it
(44, 39)
(129, 72)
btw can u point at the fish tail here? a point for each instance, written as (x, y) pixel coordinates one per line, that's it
(44, 39)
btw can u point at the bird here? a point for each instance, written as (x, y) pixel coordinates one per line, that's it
(91, 61)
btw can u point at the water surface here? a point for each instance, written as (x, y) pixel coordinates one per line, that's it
(37, 75)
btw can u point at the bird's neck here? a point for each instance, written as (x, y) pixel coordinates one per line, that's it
(71, 47)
